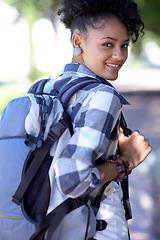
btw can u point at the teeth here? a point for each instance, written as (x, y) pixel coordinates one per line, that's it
(112, 65)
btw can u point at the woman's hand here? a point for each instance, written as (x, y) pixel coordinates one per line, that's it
(134, 148)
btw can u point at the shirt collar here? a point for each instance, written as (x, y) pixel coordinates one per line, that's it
(81, 71)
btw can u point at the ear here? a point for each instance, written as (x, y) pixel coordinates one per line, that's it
(76, 40)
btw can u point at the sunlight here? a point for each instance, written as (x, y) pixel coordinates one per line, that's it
(14, 45)
(14, 51)
(44, 41)
(52, 47)
(8, 14)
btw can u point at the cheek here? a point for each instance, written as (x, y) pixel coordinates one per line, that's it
(92, 56)
(126, 55)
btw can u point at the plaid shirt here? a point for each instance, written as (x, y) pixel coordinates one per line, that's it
(95, 114)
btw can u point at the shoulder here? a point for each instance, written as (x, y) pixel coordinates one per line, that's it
(104, 97)
(102, 93)
(96, 96)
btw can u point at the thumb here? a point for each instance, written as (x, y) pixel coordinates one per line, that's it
(121, 133)
(121, 136)
(121, 140)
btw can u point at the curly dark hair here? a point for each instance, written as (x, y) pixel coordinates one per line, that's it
(78, 14)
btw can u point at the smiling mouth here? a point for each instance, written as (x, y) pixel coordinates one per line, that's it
(113, 65)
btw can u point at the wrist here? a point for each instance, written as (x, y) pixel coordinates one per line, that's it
(123, 167)
(124, 157)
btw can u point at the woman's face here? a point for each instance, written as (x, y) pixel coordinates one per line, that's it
(105, 49)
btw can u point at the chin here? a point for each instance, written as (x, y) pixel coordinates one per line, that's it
(111, 78)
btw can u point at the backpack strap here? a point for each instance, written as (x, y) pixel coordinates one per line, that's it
(53, 136)
(70, 89)
(38, 86)
(125, 199)
(75, 85)
(127, 131)
(124, 183)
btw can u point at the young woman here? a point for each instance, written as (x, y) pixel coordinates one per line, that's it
(101, 32)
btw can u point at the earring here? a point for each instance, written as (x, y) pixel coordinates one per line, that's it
(77, 51)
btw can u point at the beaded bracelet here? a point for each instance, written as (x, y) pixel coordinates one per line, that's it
(122, 167)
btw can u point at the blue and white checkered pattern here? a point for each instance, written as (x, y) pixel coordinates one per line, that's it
(95, 114)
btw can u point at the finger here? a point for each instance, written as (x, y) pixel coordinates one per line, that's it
(120, 129)
(149, 146)
(136, 131)
(144, 139)
(135, 134)
(149, 149)
(121, 134)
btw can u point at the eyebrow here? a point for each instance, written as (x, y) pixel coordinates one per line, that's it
(114, 39)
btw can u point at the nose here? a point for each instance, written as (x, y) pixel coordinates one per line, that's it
(118, 54)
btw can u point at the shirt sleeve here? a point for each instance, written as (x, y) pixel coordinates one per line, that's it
(76, 174)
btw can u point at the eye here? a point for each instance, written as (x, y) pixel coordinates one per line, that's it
(126, 45)
(107, 44)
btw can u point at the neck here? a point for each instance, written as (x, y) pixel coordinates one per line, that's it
(78, 59)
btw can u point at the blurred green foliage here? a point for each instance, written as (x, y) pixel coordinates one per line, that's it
(150, 13)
